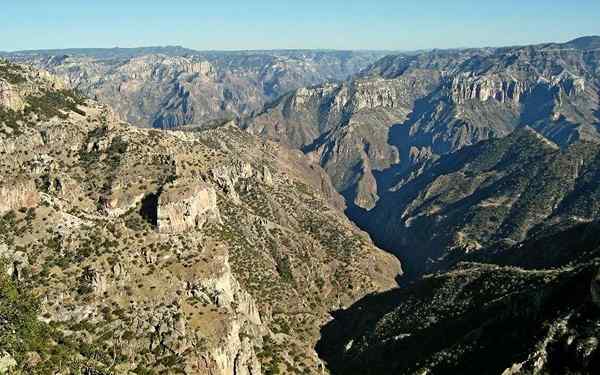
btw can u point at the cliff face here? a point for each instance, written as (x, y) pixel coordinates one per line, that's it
(18, 194)
(164, 90)
(187, 206)
(208, 252)
(371, 133)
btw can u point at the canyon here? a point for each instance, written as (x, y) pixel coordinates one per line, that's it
(309, 212)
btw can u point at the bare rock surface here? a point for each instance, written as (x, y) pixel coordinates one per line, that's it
(169, 87)
(187, 205)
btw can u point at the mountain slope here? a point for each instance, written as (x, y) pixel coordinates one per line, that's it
(499, 191)
(146, 251)
(165, 87)
(502, 240)
(474, 319)
(372, 132)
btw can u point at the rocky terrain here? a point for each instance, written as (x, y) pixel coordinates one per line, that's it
(373, 131)
(141, 251)
(495, 193)
(209, 250)
(173, 86)
(479, 319)
(502, 240)
(479, 169)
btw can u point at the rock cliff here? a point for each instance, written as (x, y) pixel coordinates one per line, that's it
(18, 194)
(187, 206)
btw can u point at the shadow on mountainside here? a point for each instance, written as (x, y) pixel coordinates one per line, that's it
(383, 221)
(478, 318)
(489, 336)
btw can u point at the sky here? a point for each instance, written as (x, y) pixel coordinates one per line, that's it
(293, 24)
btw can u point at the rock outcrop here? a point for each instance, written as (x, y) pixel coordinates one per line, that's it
(120, 202)
(9, 98)
(228, 176)
(186, 205)
(18, 193)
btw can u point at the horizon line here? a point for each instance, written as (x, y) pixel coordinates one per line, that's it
(113, 48)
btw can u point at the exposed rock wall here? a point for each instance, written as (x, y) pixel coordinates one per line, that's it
(185, 206)
(9, 97)
(15, 194)
(120, 202)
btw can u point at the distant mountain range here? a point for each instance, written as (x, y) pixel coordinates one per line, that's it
(166, 87)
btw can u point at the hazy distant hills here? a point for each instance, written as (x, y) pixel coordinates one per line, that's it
(103, 53)
(116, 52)
(166, 87)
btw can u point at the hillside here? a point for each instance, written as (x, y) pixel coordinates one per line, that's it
(501, 240)
(474, 319)
(145, 251)
(495, 193)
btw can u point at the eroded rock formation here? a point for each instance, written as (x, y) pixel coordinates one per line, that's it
(186, 205)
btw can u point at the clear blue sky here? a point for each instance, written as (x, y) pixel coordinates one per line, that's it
(266, 24)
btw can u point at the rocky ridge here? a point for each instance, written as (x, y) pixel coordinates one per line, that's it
(170, 87)
(369, 133)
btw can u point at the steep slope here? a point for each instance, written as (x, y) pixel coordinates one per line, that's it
(143, 251)
(510, 229)
(499, 191)
(368, 134)
(172, 86)
(475, 319)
